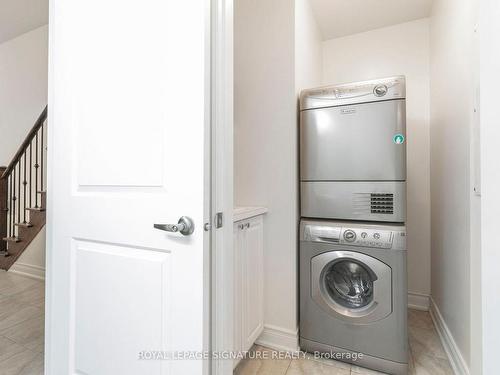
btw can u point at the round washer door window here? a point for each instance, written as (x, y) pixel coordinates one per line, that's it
(351, 286)
(349, 283)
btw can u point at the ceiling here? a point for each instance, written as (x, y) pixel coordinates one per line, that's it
(338, 18)
(20, 16)
(335, 18)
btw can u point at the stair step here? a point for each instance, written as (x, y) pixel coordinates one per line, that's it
(4, 253)
(39, 209)
(24, 225)
(12, 239)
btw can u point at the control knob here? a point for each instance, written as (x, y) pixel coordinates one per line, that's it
(350, 235)
(380, 90)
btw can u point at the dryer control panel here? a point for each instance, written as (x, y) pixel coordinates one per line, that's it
(390, 88)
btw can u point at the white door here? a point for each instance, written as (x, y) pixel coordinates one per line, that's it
(128, 133)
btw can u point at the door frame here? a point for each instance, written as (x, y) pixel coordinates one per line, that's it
(488, 257)
(222, 184)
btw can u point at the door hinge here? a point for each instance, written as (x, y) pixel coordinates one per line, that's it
(219, 220)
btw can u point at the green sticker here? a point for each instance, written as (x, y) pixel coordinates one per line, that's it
(399, 139)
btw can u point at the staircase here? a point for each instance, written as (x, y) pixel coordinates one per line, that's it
(22, 195)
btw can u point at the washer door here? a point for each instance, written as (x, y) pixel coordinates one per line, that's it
(351, 286)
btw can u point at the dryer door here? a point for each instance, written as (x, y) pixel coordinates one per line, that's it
(351, 286)
(354, 143)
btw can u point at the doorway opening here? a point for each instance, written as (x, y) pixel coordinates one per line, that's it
(283, 48)
(23, 183)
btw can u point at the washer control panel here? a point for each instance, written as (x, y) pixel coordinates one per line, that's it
(366, 237)
(391, 237)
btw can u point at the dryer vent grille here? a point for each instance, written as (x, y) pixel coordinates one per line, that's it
(382, 203)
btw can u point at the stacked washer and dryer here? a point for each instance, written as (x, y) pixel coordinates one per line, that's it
(353, 281)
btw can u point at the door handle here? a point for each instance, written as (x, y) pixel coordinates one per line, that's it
(185, 226)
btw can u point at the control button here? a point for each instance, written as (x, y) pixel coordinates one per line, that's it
(376, 236)
(350, 235)
(380, 90)
(364, 235)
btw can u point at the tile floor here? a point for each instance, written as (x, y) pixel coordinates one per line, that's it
(427, 356)
(21, 325)
(22, 335)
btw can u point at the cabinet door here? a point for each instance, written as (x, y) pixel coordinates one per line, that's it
(237, 289)
(253, 274)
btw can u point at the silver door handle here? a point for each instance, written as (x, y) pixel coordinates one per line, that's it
(185, 226)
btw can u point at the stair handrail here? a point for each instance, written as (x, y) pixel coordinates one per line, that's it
(27, 141)
(22, 190)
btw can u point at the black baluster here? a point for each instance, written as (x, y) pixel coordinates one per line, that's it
(10, 205)
(31, 183)
(19, 192)
(36, 170)
(41, 158)
(14, 198)
(24, 189)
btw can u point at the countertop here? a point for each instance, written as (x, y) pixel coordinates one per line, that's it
(243, 213)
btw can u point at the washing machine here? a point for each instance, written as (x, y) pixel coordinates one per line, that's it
(353, 293)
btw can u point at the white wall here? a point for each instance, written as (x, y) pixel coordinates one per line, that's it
(23, 88)
(32, 260)
(400, 49)
(265, 143)
(23, 95)
(453, 203)
(308, 47)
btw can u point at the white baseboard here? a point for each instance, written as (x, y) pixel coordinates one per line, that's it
(279, 338)
(457, 361)
(28, 270)
(418, 301)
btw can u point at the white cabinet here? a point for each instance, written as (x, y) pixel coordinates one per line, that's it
(248, 282)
